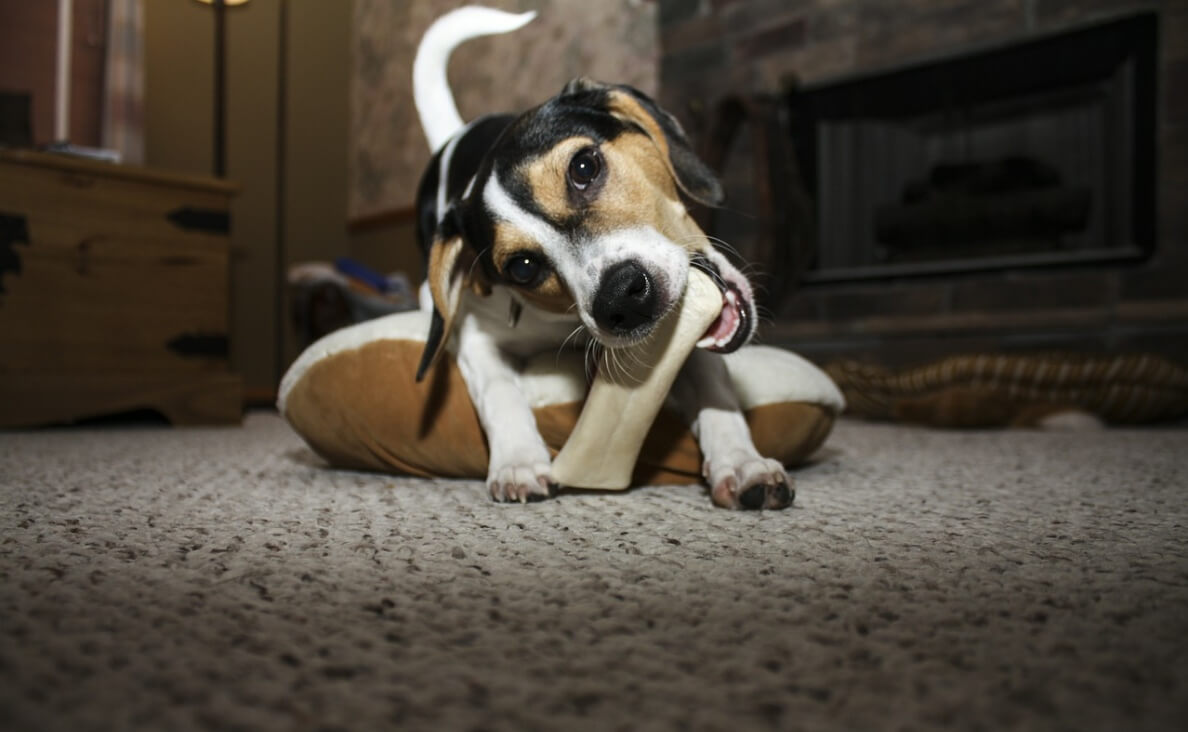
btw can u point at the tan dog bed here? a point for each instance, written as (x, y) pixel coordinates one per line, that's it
(352, 396)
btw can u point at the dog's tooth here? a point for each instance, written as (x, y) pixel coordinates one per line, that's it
(624, 400)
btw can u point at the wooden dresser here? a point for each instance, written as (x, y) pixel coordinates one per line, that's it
(114, 293)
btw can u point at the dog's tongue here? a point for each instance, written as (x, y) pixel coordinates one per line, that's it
(721, 333)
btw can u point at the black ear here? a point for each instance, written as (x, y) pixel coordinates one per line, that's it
(694, 177)
(433, 344)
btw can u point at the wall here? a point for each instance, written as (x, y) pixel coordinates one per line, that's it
(610, 40)
(317, 101)
(711, 48)
(286, 147)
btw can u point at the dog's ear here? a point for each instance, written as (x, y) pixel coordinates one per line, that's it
(693, 176)
(582, 84)
(449, 264)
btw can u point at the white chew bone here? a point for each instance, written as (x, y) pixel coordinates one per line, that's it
(627, 394)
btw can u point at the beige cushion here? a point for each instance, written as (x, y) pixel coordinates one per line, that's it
(353, 398)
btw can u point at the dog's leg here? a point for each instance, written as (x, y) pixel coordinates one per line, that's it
(519, 466)
(738, 476)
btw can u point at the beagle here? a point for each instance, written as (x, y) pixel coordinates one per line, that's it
(565, 225)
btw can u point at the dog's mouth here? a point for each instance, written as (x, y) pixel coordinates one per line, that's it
(732, 327)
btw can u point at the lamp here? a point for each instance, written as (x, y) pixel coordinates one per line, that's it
(220, 82)
(62, 80)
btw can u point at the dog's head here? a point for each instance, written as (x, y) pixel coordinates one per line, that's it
(577, 209)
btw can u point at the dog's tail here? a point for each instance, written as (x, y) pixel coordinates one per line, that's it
(431, 88)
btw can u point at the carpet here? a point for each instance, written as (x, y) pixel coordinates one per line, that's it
(156, 578)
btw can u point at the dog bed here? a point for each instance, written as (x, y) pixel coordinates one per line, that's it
(353, 398)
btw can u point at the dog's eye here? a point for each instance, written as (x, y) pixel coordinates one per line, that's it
(584, 168)
(523, 268)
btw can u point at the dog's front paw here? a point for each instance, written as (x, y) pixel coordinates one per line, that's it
(521, 482)
(749, 482)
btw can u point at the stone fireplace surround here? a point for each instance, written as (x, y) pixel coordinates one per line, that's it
(713, 48)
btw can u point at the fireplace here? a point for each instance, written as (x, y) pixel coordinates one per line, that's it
(983, 177)
(1038, 153)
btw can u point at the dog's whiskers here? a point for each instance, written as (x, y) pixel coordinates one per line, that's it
(627, 364)
(747, 268)
(622, 367)
(572, 336)
(712, 273)
(474, 264)
(718, 243)
(593, 354)
(725, 246)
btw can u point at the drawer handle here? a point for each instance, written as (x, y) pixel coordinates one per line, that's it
(13, 230)
(200, 345)
(201, 219)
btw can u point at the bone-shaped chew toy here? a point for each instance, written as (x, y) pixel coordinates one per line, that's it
(627, 394)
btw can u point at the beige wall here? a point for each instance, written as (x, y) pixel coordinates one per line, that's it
(179, 83)
(317, 102)
(609, 40)
(253, 47)
(391, 247)
(296, 159)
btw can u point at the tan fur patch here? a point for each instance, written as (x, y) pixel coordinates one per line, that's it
(510, 240)
(675, 222)
(548, 177)
(641, 191)
(445, 270)
(552, 294)
(624, 105)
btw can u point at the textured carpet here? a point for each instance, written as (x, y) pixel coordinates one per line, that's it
(155, 578)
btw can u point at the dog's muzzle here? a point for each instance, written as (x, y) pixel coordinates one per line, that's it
(626, 299)
(627, 303)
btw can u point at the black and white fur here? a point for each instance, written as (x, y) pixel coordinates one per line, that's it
(564, 224)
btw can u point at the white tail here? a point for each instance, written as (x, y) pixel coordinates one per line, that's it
(431, 87)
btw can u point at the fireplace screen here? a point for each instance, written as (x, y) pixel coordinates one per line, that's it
(1039, 153)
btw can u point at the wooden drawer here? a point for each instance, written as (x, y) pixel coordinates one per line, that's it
(115, 293)
(113, 199)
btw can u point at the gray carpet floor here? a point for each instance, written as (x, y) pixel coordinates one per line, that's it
(171, 579)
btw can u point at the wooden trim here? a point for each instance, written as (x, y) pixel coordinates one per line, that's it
(85, 166)
(982, 322)
(1153, 311)
(971, 265)
(382, 219)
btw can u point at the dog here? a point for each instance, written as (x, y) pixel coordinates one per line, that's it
(566, 224)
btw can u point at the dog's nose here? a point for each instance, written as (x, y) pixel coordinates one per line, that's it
(626, 298)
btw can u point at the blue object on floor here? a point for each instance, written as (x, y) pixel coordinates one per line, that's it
(358, 270)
